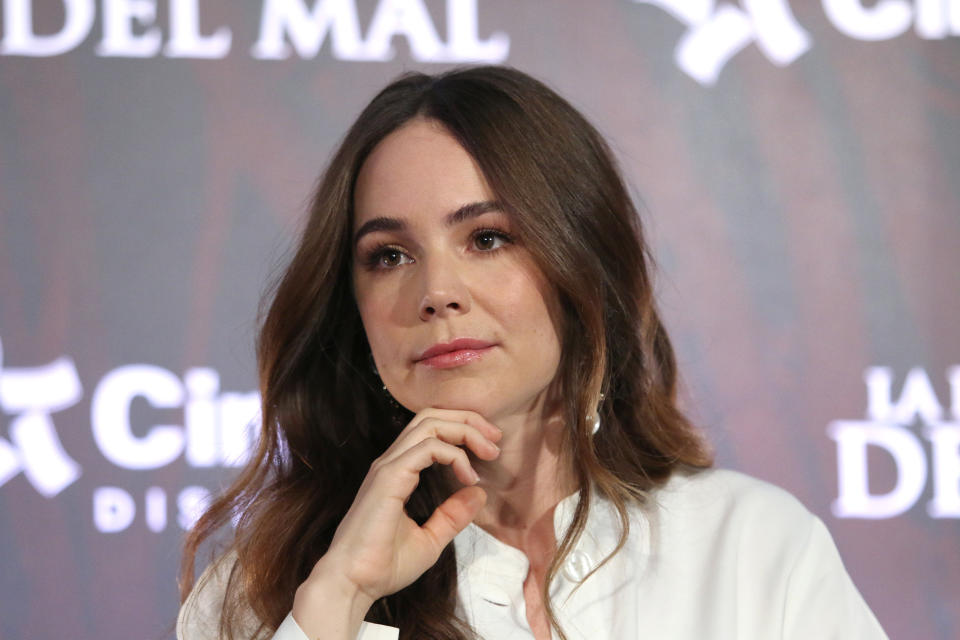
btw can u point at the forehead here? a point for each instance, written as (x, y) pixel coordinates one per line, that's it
(418, 170)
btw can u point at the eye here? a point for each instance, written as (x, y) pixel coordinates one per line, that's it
(390, 257)
(490, 239)
(387, 258)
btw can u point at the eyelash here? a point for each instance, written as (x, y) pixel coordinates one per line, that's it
(373, 259)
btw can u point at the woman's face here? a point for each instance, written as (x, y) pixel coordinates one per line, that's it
(457, 314)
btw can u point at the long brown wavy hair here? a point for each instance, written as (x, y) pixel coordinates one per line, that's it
(325, 417)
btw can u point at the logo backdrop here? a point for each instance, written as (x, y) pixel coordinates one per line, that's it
(799, 172)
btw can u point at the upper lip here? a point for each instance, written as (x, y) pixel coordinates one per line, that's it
(455, 345)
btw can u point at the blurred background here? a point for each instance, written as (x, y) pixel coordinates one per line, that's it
(798, 166)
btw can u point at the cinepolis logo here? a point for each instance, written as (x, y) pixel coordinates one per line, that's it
(218, 430)
(716, 31)
(891, 426)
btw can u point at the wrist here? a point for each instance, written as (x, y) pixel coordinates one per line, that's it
(327, 604)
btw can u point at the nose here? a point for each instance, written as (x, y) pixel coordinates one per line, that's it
(444, 291)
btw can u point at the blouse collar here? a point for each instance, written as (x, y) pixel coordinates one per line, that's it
(495, 570)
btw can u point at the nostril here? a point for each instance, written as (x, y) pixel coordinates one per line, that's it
(454, 305)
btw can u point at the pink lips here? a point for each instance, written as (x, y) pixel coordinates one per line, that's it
(454, 354)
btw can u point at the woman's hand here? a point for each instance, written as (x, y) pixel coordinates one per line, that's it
(377, 549)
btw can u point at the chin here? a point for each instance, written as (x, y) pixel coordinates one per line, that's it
(458, 404)
(460, 397)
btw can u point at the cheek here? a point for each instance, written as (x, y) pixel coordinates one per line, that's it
(527, 306)
(374, 313)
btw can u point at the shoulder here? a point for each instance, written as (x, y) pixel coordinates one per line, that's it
(758, 544)
(721, 543)
(718, 512)
(726, 494)
(771, 545)
(199, 616)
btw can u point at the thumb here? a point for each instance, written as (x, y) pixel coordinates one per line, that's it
(454, 514)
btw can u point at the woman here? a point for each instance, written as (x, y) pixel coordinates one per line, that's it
(465, 349)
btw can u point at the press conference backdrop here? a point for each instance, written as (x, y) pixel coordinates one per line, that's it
(799, 169)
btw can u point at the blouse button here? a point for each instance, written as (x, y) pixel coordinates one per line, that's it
(577, 566)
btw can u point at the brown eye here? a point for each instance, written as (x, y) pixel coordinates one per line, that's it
(390, 258)
(386, 258)
(488, 240)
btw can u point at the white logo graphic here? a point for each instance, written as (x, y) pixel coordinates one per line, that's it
(286, 26)
(115, 509)
(31, 394)
(218, 429)
(409, 18)
(716, 34)
(718, 31)
(888, 428)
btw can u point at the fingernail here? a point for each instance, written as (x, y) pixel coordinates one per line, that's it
(476, 476)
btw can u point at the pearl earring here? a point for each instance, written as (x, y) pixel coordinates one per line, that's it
(594, 419)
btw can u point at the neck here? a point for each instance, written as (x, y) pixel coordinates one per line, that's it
(525, 483)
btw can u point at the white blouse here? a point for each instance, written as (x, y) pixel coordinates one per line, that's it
(716, 554)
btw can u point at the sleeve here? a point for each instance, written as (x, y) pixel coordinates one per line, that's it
(822, 601)
(199, 617)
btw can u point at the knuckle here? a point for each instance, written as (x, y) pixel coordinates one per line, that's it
(429, 422)
(427, 425)
(437, 447)
(427, 445)
(387, 468)
(376, 471)
(426, 414)
(428, 442)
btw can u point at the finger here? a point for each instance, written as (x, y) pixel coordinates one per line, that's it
(431, 451)
(462, 434)
(455, 433)
(490, 431)
(453, 515)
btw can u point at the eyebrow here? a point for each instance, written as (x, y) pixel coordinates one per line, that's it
(454, 218)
